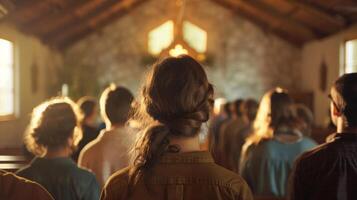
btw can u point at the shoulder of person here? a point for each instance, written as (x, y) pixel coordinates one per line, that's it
(90, 148)
(84, 174)
(11, 182)
(227, 178)
(121, 177)
(117, 185)
(311, 156)
(235, 184)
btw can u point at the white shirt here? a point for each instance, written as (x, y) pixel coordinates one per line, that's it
(108, 153)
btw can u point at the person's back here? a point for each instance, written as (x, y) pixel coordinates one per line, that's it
(266, 166)
(168, 162)
(231, 142)
(52, 135)
(13, 187)
(88, 106)
(269, 152)
(108, 153)
(329, 171)
(62, 178)
(191, 175)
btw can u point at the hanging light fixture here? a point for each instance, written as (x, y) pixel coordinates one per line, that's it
(179, 46)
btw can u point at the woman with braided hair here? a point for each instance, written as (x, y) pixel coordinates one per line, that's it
(167, 160)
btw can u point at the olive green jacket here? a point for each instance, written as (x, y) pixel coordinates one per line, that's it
(180, 176)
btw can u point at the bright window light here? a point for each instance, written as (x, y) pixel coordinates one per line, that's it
(195, 37)
(161, 37)
(178, 50)
(351, 56)
(6, 78)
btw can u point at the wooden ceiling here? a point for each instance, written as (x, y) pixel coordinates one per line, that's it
(60, 23)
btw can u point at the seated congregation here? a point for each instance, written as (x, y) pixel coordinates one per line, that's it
(155, 147)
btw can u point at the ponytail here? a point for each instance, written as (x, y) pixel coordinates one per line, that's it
(150, 148)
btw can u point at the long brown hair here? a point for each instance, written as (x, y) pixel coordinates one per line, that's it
(276, 109)
(175, 100)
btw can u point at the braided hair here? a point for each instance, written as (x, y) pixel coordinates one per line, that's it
(175, 100)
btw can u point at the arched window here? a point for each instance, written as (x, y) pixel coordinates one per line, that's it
(178, 38)
(161, 37)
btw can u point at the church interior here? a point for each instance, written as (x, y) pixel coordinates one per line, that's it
(77, 48)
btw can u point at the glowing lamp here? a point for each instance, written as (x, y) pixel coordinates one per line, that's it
(178, 50)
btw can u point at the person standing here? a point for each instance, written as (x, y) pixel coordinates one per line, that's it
(53, 135)
(330, 170)
(168, 162)
(110, 151)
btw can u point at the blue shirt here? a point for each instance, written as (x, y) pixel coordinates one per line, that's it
(267, 165)
(62, 178)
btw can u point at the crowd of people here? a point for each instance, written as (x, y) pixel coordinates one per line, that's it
(150, 147)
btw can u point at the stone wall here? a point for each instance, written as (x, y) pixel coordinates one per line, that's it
(246, 59)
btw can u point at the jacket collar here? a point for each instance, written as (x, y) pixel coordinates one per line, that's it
(345, 136)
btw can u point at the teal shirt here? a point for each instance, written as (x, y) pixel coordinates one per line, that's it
(266, 166)
(62, 178)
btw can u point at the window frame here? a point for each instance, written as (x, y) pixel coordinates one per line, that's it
(14, 114)
(342, 59)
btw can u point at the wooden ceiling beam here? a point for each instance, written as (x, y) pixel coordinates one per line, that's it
(78, 15)
(45, 24)
(28, 11)
(269, 22)
(96, 23)
(80, 19)
(337, 22)
(285, 22)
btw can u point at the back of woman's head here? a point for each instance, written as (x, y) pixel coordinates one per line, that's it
(249, 109)
(176, 100)
(282, 111)
(53, 123)
(276, 110)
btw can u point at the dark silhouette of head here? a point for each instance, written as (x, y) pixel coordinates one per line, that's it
(236, 107)
(249, 109)
(88, 106)
(115, 104)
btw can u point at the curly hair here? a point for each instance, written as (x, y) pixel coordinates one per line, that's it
(52, 123)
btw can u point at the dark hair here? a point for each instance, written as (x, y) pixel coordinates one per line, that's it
(87, 105)
(249, 109)
(176, 100)
(227, 109)
(346, 98)
(276, 110)
(283, 111)
(237, 107)
(115, 104)
(305, 114)
(52, 124)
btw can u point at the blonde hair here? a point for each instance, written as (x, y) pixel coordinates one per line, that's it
(53, 122)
